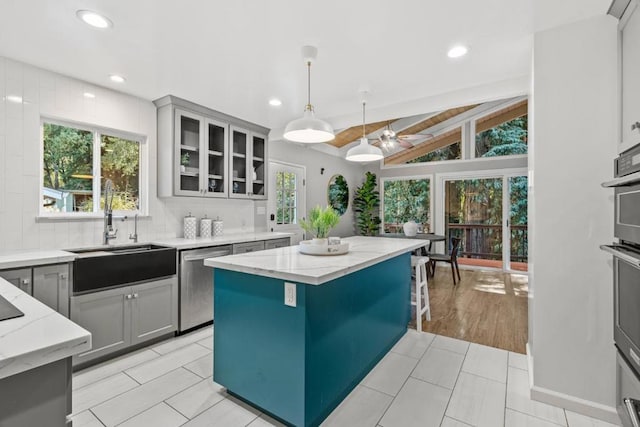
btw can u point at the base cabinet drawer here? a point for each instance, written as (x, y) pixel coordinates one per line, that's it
(122, 317)
(242, 248)
(277, 243)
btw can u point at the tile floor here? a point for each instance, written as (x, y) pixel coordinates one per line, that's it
(425, 380)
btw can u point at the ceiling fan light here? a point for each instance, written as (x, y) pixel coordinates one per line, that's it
(308, 130)
(364, 152)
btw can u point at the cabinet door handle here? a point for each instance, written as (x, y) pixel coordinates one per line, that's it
(24, 282)
(635, 126)
(63, 276)
(135, 295)
(128, 296)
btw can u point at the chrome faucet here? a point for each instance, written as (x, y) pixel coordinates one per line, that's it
(134, 236)
(109, 232)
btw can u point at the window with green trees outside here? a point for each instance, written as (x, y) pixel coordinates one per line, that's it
(405, 200)
(75, 163)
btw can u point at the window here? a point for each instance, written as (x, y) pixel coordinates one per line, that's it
(450, 152)
(286, 198)
(506, 139)
(76, 161)
(405, 200)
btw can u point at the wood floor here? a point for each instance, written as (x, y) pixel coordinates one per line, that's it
(485, 307)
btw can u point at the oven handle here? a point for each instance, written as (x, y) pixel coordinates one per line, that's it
(632, 409)
(623, 255)
(623, 181)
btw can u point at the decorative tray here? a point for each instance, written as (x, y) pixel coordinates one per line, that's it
(309, 248)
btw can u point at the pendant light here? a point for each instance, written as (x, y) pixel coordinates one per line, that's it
(308, 129)
(364, 152)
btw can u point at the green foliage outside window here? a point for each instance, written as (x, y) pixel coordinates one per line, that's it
(68, 169)
(366, 205)
(405, 200)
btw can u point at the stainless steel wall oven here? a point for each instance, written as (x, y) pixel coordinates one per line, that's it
(626, 284)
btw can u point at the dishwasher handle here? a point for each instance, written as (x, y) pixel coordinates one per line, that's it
(191, 258)
(632, 410)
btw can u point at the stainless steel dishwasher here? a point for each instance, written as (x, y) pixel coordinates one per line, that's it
(196, 286)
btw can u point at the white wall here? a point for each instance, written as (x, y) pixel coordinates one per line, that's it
(575, 75)
(56, 96)
(317, 183)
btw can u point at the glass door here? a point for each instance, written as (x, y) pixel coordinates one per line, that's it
(189, 132)
(239, 151)
(216, 159)
(286, 203)
(473, 213)
(258, 158)
(517, 224)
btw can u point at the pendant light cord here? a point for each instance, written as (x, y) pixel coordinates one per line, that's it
(363, 122)
(309, 106)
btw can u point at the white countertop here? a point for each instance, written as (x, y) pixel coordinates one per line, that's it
(225, 239)
(289, 264)
(28, 258)
(39, 337)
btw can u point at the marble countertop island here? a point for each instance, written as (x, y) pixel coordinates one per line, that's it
(39, 337)
(289, 264)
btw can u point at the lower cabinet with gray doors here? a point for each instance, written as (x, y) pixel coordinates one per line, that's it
(123, 317)
(243, 248)
(277, 243)
(48, 284)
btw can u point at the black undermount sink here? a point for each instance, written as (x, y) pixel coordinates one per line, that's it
(111, 266)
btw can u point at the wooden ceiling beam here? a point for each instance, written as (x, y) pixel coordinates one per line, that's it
(426, 147)
(354, 133)
(513, 112)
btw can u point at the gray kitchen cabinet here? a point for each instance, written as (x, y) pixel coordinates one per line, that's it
(277, 243)
(51, 286)
(107, 315)
(122, 317)
(243, 248)
(247, 162)
(155, 310)
(195, 155)
(630, 87)
(20, 277)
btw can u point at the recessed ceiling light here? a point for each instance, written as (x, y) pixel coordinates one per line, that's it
(457, 51)
(117, 78)
(14, 98)
(89, 95)
(275, 102)
(94, 19)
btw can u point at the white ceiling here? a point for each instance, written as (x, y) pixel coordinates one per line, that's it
(233, 56)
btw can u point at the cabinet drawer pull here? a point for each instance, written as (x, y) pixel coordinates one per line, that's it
(635, 126)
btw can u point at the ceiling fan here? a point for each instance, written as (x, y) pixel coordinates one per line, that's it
(389, 139)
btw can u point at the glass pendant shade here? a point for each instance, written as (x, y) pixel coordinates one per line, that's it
(364, 152)
(308, 129)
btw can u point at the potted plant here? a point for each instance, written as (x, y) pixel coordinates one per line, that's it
(366, 205)
(184, 162)
(319, 222)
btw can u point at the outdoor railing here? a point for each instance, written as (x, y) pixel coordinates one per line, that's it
(484, 241)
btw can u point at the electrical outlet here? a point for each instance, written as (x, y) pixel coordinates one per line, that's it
(290, 294)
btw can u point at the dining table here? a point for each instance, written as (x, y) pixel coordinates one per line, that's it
(431, 237)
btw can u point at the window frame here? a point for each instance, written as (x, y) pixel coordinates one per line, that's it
(97, 132)
(293, 209)
(431, 179)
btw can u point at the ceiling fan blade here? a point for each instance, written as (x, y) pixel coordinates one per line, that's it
(415, 137)
(404, 144)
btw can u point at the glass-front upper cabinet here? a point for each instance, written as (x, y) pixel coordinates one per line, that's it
(248, 159)
(201, 156)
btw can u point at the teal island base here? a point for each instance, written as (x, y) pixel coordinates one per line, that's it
(299, 363)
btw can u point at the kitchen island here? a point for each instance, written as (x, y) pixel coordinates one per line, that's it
(35, 362)
(297, 362)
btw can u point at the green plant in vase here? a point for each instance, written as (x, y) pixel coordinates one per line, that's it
(184, 162)
(319, 223)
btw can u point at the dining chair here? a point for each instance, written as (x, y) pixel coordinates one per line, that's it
(421, 290)
(452, 259)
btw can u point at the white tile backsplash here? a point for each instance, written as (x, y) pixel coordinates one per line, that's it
(50, 95)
